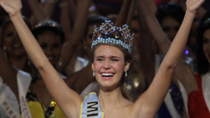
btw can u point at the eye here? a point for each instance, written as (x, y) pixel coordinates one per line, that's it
(99, 59)
(9, 34)
(205, 40)
(114, 59)
(43, 45)
(56, 46)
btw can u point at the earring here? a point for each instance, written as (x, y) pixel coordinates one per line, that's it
(94, 74)
(60, 62)
(5, 51)
(5, 47)
(126, 73)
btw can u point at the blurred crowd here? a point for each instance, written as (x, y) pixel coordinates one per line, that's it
(64, 30)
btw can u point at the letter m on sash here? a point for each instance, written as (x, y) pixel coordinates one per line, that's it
(92, 108)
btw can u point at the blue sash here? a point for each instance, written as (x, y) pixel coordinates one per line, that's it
(90, 107)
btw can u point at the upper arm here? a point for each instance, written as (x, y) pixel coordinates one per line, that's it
(150, 101)
(68, 100)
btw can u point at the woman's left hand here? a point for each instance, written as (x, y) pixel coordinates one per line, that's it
(193, 5)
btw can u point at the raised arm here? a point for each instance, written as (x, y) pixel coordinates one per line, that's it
(65, 19)
(68, 100)
(183, 72)
(37, 11)
(76, 35)
(151, 100)
(73, 10)
(48, 7)
(123, 14)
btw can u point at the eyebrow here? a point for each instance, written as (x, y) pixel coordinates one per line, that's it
(109, 57)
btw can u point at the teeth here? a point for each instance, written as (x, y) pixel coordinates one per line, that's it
(50, 58)
(16, 46)
(107, 74)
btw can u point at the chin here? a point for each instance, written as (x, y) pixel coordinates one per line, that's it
(108, 86)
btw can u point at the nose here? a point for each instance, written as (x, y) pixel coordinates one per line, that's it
(48, 50)
(17, 38)
(107, 65)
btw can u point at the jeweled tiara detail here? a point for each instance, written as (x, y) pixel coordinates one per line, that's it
(108, 33)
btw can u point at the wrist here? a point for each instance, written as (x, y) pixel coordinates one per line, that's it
(16, 18)
(15, 15)
(190, 13)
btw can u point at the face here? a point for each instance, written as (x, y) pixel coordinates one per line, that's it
(51, 45)
(109, 65)
(170, 27)
(206, 44)
(12, 42)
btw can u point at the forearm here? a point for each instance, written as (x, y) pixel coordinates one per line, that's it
(65, 19)
(153, 26)
(180, 40)
(36, 9)
(73, 10)
(49, 9)
(153, 6)
(131, 13)
(123, 14)
(76, 35)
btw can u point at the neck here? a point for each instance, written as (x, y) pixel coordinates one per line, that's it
(19, 62)
(110, 99)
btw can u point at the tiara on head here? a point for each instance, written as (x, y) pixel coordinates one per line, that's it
(108, 33)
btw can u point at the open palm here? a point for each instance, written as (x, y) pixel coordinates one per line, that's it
(11, 6)
(193, 5)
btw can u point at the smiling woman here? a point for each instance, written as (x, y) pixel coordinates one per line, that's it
(13, 47)
(109, 64)
(50, 36)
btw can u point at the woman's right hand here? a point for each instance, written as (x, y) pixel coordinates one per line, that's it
(12, 7)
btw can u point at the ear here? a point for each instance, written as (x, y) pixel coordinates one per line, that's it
(127, 66)
(92, 66)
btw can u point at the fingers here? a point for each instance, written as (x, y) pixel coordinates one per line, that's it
(11, 6)
(193, 5)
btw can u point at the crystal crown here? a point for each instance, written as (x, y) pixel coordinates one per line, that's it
(108, 33)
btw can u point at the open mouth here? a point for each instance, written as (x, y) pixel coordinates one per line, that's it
(107, 74)
(50, 58)
(17, 46)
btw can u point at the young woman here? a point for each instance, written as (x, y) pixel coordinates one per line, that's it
(110, 62)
